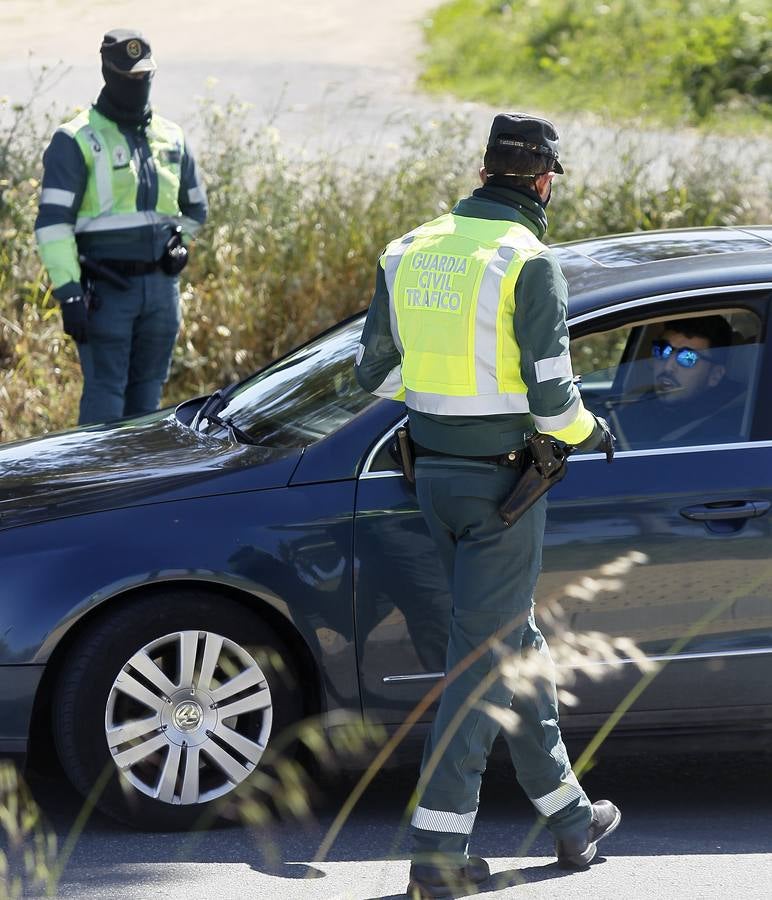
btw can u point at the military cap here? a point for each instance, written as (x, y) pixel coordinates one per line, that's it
(125, 50)
(517, 131)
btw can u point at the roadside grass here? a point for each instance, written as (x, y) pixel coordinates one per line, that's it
(673, 61)
(292, 240)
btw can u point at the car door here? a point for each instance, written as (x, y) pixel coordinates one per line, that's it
(695, 501)
(401, 597)
(700, 608)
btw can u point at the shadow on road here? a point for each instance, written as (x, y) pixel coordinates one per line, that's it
(511, 878)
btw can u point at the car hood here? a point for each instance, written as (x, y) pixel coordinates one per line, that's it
(148, 460)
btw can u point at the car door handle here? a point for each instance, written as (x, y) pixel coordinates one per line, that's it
(726, 509)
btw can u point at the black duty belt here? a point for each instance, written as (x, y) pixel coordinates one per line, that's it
(130, 266)
(513, 458)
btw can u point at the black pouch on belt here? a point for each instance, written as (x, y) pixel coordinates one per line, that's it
(175, 256)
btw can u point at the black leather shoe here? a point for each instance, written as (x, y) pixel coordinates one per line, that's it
(578, 852)
(428, 882)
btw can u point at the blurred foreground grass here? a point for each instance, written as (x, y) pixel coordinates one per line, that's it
(292, 241)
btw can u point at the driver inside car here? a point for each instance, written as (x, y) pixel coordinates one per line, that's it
(690, 400)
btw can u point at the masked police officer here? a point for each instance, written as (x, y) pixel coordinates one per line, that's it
(120, 200)
(468, 325)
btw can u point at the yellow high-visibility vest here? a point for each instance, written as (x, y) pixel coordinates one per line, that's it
(451, 286)
(110, 200)
(109, 203)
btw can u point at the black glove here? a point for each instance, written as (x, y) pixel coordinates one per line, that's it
(75, 319)
(601, 438)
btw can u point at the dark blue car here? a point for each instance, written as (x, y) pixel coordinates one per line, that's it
(178, 589)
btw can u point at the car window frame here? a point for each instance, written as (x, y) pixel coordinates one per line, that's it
(637, 330)
(755, 297)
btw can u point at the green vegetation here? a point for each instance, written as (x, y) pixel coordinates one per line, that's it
(292, 243)
(668, 60)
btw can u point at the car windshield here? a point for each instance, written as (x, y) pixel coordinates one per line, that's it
(303, 397)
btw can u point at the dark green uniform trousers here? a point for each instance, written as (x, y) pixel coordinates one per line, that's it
(492, 571)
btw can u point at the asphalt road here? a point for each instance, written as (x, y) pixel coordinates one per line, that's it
(326, 73)
(693, 827)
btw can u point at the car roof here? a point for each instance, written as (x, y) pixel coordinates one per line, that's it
(608, 270)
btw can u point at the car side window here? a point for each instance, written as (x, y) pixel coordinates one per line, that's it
(673, 381)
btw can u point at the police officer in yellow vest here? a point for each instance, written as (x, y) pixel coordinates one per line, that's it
(121, 199)
(468, 325)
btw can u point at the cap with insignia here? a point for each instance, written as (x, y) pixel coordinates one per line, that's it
(517, 131)
(124, 50)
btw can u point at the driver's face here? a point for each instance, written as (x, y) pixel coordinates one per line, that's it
(674, 383)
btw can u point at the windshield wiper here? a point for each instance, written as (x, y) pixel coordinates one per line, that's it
(213, 404)
(240, 435)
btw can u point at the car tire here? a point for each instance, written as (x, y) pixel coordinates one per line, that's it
(165, 743)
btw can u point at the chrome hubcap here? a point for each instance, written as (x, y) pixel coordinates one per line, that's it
(188, 717)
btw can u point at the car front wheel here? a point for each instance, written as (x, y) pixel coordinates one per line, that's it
(171, 703)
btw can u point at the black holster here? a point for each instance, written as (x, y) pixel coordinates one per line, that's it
(546, 466)
(90, 297)
(403, 451)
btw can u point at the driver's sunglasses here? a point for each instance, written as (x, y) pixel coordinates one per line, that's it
(684, 356)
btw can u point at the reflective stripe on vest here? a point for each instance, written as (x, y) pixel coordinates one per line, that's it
(57, 197)
(122, 222)
(102, 171)
(451, 299)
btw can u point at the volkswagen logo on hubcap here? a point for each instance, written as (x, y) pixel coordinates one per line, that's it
(187, 715)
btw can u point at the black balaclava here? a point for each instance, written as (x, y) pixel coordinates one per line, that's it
(125, 100)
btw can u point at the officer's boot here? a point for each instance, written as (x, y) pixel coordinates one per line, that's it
(578, 851)
(436, 882)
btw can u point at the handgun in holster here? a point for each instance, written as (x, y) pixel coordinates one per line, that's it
(546, 466)
(89, 293)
